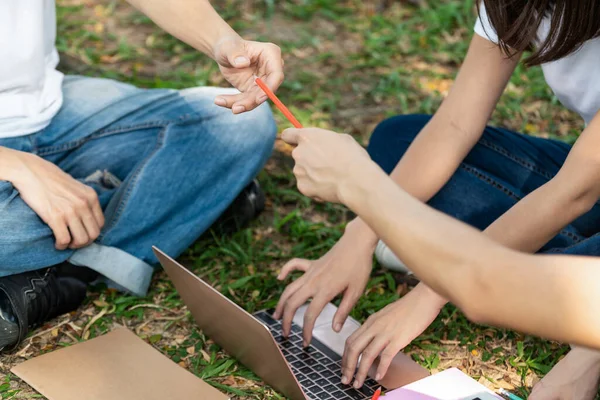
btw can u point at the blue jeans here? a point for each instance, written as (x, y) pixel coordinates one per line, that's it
(165, 165)
(500, 170)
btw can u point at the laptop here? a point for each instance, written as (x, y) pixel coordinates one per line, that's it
(256, 341)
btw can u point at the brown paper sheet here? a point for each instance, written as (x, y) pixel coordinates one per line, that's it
(115, 366)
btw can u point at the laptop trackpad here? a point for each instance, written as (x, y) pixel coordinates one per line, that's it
(323, 330)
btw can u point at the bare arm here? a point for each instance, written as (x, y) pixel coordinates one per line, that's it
(193, 21)
(550, 296)
(427, 165)
(457, 125)
(197, 23)
(490, 282)
(540, 216)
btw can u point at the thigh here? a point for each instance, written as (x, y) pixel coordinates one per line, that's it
(101, 126)
(524, 162)
(109, 125)
(502, 168)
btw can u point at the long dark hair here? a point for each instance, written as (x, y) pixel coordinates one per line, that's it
(572, 22)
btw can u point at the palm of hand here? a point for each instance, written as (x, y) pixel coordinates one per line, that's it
(240, 78)
(240, 63)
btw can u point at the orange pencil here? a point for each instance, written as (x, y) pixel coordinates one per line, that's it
(278, 103)
(376, 394)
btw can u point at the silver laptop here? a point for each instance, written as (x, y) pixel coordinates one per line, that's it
(256, 341)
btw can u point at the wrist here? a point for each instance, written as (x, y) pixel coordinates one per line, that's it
(357, 228)
(226, 35)
(356, 190)
(432, 297)
(11, 164)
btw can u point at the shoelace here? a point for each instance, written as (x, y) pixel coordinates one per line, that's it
(41, 297)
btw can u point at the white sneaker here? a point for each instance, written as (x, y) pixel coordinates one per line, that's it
(388, 259)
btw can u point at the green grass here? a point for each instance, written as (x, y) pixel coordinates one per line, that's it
(347, 68)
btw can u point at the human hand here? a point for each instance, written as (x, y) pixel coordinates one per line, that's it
(327, 163)
(344, 269)
(387, 332)
(70, 208)
(240, 62)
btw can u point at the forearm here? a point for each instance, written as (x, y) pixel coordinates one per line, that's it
(537, 218)
(193, 21)
(435, 153)
(440, 147)
(490, 283)
(419, 234)
(542, 214)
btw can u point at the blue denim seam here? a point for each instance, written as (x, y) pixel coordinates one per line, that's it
(518, 160)
(185, 118)
(563, 249)
(509, 193)
(44, 151)
(131, 184)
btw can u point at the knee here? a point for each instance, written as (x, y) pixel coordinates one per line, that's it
(260, 124)
(252, 133)
(392, 137)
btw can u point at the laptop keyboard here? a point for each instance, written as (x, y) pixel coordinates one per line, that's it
(317, 367)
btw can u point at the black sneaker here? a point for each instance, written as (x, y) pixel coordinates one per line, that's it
(247, 206)
(30, 299)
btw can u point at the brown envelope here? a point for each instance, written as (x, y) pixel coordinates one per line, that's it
(116, 366)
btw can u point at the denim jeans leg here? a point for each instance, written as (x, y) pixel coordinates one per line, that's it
(501, 169)
(179, 161)
(199, 163)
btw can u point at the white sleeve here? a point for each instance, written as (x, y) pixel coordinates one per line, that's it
(483, 26)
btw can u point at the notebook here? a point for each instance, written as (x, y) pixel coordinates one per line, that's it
(450, 384)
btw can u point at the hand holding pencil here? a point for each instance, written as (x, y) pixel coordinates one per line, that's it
(273, 97)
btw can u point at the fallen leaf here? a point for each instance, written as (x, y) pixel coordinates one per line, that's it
(100, 303)
(431, 85)
(138, 66)
(99, 27)
(229, 381)
(150, 40)
(530, 128)
(154, 338)
(106, 59)
(504, 385)
(191, 350)
(100, 11)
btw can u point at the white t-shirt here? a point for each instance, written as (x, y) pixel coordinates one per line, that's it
(575, 79)
(30, 85)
